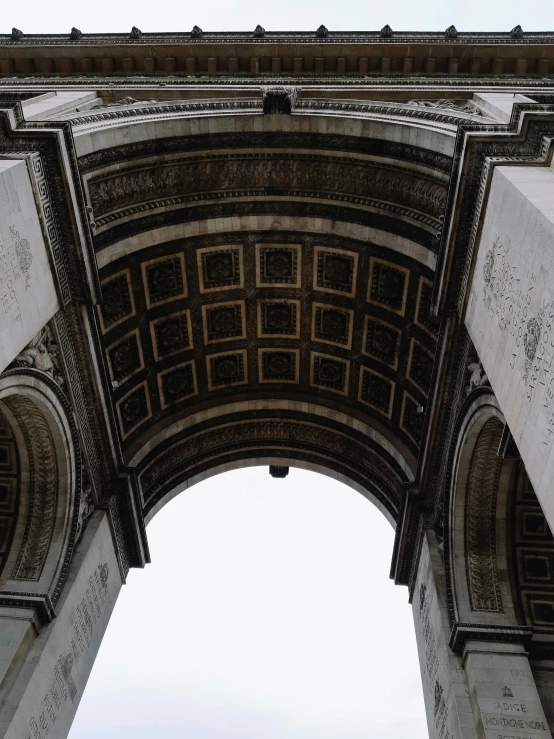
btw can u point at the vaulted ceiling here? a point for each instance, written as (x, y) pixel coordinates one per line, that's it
(273, 287)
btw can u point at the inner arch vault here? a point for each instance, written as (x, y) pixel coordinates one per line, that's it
(266, 289)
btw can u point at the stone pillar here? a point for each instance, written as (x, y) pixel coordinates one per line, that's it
(445, 689)
(510, 314)
(486, 692)
(502, 691)
(27, 293)
(43, 672)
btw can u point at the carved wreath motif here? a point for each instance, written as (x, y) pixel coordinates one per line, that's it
(480, 520)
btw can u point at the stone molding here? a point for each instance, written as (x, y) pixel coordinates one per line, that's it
(322, 53)
(462, 633)
(265, 433)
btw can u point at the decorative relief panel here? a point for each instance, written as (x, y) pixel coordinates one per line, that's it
(278, 365)
(117, 301)
(376, 391)
(278, 265)
(177, 383)
(329, 372)
(279, 319)
(267, 434)
(381, 341)
(227, 369)
(134, 409)
(335, 271)
(480, 520)
(171, 334)
(220, 268)
(125, 357)
(332, 325)
(388, 285)
(164, 279)
(224, 321)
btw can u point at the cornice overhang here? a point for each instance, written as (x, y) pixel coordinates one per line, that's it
(526, 141)
(279, 53)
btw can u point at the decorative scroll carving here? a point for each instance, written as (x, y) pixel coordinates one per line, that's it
(480, 520)
(209, 445)
(296, 174)
(42, 353)
(43, 488)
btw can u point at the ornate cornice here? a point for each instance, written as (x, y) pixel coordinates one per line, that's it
(270, 37)
(526, 140)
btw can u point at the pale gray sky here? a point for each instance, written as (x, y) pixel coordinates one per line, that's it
(267, 612)
(58, 16)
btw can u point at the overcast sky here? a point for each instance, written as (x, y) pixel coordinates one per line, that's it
(58, 16)
(267, 612)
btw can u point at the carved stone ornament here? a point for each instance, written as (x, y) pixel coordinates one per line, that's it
(75, 34)
(279, 100)
(196, 32)
(322, 32)
(386, 31)
(445, 104)
(42, 353)
(451, 32)
(259, 32)
(438, 697)
(136, 33)
(24, 255)
(477, 376)
(480, 520)
(516, 32)
(17, 35)
(86, 509)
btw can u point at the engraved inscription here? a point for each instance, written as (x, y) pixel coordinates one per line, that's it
(528, 321)
(62, 686)
(11, 273)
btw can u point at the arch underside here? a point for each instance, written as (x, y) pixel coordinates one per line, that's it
(266, 261)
